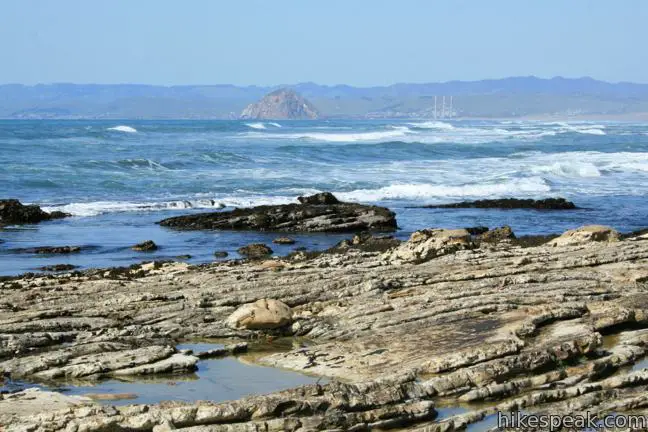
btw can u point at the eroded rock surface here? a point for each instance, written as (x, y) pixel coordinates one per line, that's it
(512, 203)
(262, 314)
(314, 214)
(486, 326)
(587, 234)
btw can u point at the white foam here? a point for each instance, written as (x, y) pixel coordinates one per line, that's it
(277, 125)
(396, 133)
(424, 191)
(569, 169)
(432, 125)
(255, 125)
(122, 128)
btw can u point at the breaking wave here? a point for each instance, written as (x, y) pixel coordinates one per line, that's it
(261, 126)
(122, 128)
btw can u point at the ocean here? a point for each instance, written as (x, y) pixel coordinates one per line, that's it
(117, 178)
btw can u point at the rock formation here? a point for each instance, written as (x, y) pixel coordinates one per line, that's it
(13, 211)
(486, 326)
(317, 213)
(512, 203)
(282, 104)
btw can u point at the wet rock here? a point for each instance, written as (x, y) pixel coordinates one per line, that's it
(477, 230)
(57, 267)
(318, 213)
(497, 235)
(283, 241)
(183, 257)
(512, 203)
(263, 314)
(14, 212)
(586, 234)
(147, 246)
(46, 250)
(220, 254)
(427, 244)
(255, 251)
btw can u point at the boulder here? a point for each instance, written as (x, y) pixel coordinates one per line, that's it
(57, 267)
(255, 251)
(497, 235)
(283, 241)
(13, 211)
(316, 213)
(264, 314)
(220, 254)
(147, 246)
(586, 234)
(47, 250)
(427, 244)
(512, 203)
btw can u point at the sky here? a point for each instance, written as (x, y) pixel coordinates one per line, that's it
(354, 42)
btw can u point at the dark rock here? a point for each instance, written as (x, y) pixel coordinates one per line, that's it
(147, 246)
(477, 230)
(57, 267)
(281, 104)
(42, 250)
(255, 250)
(184, 257)
(283, 241)
(323, 198)
(13, 212)
(512, 203)
(534, 240)
(220, 254)
(324, 216)
(497, 235)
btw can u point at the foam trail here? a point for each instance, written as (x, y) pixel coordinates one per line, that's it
(122, 128)
(255, 125)
(277, 125)
(432, 125)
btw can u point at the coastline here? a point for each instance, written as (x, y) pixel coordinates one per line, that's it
(479, 327)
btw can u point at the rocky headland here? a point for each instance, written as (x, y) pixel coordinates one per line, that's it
(282, 104)
(402, 330)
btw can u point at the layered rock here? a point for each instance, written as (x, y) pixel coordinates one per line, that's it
(262, 314)
(553, 329)
(430, 243)
(318, 213)
(282, 104)
(14, 212)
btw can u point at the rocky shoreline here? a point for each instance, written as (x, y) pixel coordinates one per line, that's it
(400, 328)
(474, 319)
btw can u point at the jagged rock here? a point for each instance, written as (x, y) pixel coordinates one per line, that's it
(220, 254)
(586, 234)
(322, 198)
(512, 203)
(497, 235)
(282, 104)
(147, 246)
(430, 243)
(255, 251)
(283, 241)
(263, 314)
(13, 212)
(307, 217)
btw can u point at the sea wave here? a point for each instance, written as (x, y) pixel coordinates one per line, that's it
(424, 191)
(123, 128)
(432, 125)
(397, 132)
(260, 125)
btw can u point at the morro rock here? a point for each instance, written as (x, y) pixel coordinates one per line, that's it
(282, 104)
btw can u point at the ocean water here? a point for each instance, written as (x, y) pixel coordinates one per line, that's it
(119, 177)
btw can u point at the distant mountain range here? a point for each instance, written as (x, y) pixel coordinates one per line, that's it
(507, 97)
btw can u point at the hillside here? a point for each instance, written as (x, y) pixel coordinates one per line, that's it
(508, 97)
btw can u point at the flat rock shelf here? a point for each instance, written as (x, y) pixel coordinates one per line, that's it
(438, 334)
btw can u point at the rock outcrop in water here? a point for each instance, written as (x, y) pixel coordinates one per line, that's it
(486, 326)
(317, 213)
(13, 211)
(512, 203)
(283, 104)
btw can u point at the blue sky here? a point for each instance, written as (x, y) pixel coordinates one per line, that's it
(356, 42)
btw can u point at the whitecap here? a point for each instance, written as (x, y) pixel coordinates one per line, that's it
(122, 128)
(432, 125)
(255, 125)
